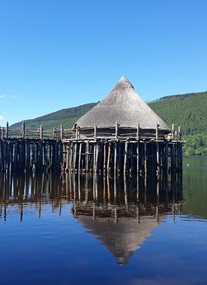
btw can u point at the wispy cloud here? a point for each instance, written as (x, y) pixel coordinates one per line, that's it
(12, 96)
(1, 118)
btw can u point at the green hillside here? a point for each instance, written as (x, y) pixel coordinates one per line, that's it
(186, 110)
(190, 112)
(66, 118)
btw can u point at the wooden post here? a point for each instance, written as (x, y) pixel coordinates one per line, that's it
(80, 156)
(157, 132)
(137, 157)
(41, 132)
(23, 130)
(87, 156)
(125, 156)
(138, 131)
(104, 158)
(109, 157)
(95, 132)
(94, 156)
(116, 131)
(61, 132)
(115, 158)
(7, 130)
(173, 130)
(179, 133)
(74, 156)
(71, 155)
(145, 158)
(158, 158)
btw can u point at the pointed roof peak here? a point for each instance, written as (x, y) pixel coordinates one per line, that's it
(124, 83)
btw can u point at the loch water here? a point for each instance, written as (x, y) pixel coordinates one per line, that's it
(90, 229)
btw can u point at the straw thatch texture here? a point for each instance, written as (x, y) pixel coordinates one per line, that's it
(123, 106)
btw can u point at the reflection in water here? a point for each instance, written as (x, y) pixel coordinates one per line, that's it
(121, 212)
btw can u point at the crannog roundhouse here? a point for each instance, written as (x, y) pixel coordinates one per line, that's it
(123, 106)
(123, 134)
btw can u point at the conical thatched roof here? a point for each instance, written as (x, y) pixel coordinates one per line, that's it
(123, 106)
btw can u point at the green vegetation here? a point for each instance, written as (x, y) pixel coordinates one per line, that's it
(190, 112)
(186, 110)
(65, 117)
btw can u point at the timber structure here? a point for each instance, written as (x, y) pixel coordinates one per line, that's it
(120, 135)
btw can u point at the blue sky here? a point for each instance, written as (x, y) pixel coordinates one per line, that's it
(56, 54)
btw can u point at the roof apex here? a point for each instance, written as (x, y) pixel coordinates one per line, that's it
(123, 106)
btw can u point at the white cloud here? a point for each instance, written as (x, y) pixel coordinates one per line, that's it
(1, 118)
(12, 96)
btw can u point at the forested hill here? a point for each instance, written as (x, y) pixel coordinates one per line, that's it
(186, 110)
(66, 118)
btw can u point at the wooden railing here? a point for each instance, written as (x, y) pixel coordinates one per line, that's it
(117, 132)
(36, 133)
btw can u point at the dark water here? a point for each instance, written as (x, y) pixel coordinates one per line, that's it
(68, 230)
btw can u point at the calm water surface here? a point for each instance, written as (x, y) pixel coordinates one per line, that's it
(73, 230)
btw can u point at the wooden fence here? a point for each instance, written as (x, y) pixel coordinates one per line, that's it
(116, 133)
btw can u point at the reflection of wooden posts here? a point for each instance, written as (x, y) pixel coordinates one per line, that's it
(125, 192)
(108, 189)
(158, 197)
(115, 190)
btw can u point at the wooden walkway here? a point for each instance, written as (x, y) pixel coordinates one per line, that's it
(114, 150)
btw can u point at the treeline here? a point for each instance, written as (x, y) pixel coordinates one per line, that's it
(189, 111)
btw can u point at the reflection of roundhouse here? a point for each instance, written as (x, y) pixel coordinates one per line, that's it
(122, 238)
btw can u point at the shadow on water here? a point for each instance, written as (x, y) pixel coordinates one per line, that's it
(120, 211)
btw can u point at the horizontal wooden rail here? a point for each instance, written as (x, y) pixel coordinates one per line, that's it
(117, 132)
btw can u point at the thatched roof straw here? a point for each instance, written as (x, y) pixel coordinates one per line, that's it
(123, 106)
